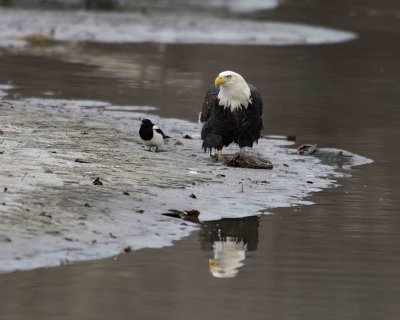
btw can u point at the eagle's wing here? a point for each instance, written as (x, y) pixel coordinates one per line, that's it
(250, 119)
(252, 116)
(256, 99)
(210, 100)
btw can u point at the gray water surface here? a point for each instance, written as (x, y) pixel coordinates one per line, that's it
(337, 259)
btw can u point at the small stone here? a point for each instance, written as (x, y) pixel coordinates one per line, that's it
(127, 249)
(306, 149)
(186, 136)
(45, 214)
(193, 213)
(53, 232)
(64, 262)
(140, 211)
(81, 161)
(97, 182)
(291, 138)
(112, 236)
(177, 215)
(5, 239)
(178, 142)
(126, 193)
(5, 189)
(193, 196)
(244, 160)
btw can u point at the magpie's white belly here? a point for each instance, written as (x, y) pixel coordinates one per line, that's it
(156, 141)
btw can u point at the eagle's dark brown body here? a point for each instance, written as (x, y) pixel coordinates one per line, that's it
(223, 126)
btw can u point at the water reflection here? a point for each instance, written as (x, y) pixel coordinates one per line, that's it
(228, 241)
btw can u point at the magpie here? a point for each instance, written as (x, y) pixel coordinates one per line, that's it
(151, 135)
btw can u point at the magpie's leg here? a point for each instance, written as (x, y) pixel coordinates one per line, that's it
(156, 149)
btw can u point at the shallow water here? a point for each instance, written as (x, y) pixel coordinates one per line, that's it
(337, 259)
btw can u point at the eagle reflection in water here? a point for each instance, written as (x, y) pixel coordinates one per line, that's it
(228, 241)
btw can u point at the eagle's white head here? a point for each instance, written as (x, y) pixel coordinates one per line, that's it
(234, 90)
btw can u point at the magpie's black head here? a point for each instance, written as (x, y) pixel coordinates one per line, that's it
(147, 123)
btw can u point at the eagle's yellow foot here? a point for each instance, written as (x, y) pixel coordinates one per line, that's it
(218, 154)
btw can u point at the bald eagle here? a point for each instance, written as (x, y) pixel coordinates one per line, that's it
(232, 112)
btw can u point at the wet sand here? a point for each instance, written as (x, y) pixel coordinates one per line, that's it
(337, 259)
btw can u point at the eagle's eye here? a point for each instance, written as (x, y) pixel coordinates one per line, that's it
(228, 76)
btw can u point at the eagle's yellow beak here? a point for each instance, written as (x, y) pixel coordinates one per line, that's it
(219, 80)
(212, 263)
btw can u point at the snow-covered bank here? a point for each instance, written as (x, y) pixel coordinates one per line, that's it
(236, 6)
(52, 151)
(18, 25)
(3, 89)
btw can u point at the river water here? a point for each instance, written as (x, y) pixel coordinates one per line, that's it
(337, 259)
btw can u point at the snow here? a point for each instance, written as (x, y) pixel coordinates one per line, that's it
(53, 214)
(169, 28)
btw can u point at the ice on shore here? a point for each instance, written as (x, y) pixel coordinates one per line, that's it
(3, 90)
(238, 6)
(234, 6)
(19, 27)
(53, 214)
